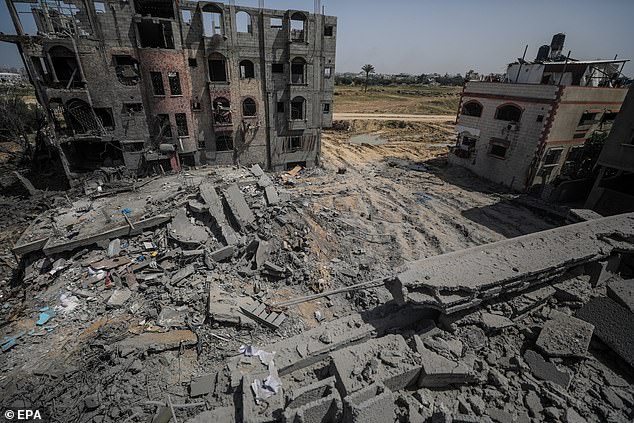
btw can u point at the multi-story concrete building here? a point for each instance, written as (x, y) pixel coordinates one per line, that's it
(143, 82)
(613, 191)
(529, 130)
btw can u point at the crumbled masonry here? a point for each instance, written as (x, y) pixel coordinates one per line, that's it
(178, 321)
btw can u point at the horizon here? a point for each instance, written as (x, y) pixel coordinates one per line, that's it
(359, 43)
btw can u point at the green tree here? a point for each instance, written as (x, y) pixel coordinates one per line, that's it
(368, 69)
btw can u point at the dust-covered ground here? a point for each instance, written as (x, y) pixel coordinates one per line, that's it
(360, 216)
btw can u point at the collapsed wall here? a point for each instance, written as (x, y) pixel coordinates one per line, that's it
(464, 279)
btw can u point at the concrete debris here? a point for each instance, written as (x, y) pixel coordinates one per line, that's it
(265, 181)
(223, 254)
(622, 291)
(185, 232)
(613, 324)
(119, 297)
(565, 336)
(214, 203)
(438, 371)
(261, 314)
(239, 207)
(545, 370)
(257, 170)
(509, 266)
(272, 198)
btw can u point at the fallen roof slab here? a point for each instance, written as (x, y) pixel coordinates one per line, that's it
(463, 279)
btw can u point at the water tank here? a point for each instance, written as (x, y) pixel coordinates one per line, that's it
(542, 53)
(557, 45)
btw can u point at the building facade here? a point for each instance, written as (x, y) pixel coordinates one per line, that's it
(144, 83)
(529, 131)
(613, 190)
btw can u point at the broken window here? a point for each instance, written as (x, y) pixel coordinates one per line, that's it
(249, 107)
(65, 67)
(174, 80)
(164, 126)
(277, 67)
(193, 63)
(472, 108)
(221, 111)
(181, 124)
(155, 8)
(100, 7)
(280, 107)
(82, 117)
(298, 69)
(498, 147)
(608, 117)
(127, 69)
(328, 31)
(540, 118)
(326, 108)
(212, 20)
(509, 113)
(104, 114)
(243, 22)
(155, 34)
(224, 142)
(196, 105)
(327, 72)
(297, 108)
(277, 22)
(298, 24)
(217, 68)
(588, 118)
(552, 156)
(186, 16)
(247, 69)
(294, 144)
(157, 83)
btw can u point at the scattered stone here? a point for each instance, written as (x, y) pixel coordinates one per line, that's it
(572, 416)
(544, 370)
(495, 322)
(565, 336)
(119, 297)
(533, 403)
(223, 254)
(183, 273)
(91, 402)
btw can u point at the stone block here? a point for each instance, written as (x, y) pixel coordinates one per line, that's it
(316, 403)
(565, 336)
(372, 404)
(439, 371)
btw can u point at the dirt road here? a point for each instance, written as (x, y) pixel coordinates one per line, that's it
(386, 116)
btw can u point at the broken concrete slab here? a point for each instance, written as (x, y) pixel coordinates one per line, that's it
(119, 297)
(265, 181)
(256, 170)
(197, 206)
(183, 273)
(160, 341)
(202, 385)
(214, 203)
(622, 291)
(544, 370)
(218, 414)
(54, 246)
(169, 317)
(272, 198)
(185, 232)
(613, 324)
(495, 322)
(372, 404)
(388, 360)
(565, 336)
(261, 254)
(601, 271)
(511, 265)
(260, 313)
(438, 371)
(224, 253)
(239, 207)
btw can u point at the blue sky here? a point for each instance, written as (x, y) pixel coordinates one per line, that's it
(420, 36)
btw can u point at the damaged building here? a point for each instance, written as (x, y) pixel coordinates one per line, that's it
(161, 84)
(529, 130)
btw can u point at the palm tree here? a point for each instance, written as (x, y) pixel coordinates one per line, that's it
(368, 69)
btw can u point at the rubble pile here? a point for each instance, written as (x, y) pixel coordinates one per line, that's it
(161, 303)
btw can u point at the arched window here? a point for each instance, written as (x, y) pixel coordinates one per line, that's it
(472, 108)
(243, 22)
(247, 70)
(248, 107)
(297, 108)
(212, 20)
(221, 111)
(217, 68)
(508, 112)
(81, 117)
(298, 26)
(298, 70)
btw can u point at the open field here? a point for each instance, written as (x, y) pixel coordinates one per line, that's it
(402, 99)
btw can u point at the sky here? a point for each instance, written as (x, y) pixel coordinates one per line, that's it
(453, 36)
